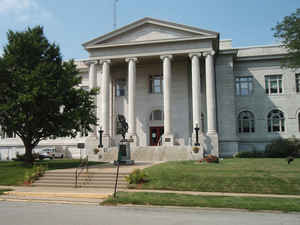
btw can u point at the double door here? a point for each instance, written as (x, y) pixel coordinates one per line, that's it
(155, 135)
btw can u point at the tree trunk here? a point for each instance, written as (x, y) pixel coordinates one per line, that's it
(28, 154)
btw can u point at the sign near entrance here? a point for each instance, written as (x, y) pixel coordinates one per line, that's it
(80, 145)
(167, 139)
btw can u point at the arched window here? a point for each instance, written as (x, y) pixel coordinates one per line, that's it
(276, 121)
(156, 115)
(246, 122)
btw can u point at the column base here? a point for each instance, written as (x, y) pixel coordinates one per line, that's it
(211, 144)
(106, 141)
(133, 140)
(168, 140)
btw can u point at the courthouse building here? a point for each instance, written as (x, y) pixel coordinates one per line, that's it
(167, 79)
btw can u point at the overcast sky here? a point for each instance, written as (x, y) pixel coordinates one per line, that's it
(72, 22)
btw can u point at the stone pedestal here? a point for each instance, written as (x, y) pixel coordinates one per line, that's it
(211, 143)
(124, 156)
(133, 140)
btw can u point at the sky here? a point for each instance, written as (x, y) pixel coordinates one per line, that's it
(69, 23)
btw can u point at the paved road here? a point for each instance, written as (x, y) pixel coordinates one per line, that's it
(26, 213)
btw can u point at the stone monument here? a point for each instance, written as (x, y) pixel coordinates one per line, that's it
(124, 146)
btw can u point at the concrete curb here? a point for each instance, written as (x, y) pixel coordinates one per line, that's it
(57, 195)
(215, 193)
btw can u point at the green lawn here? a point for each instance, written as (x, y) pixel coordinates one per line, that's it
(170, 199)
(269, 176)
(12, 173)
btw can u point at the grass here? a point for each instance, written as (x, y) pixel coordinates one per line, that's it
(171, 199)
(12, 172)
(268, 176)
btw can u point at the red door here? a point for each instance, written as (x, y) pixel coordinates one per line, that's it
(155, 135)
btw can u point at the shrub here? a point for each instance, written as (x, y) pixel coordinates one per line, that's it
(37, 171)
(138, 176)
(196, 149)
(253, 154)
(21, 157)
(96, 150)
(282, 148)
(210, 159)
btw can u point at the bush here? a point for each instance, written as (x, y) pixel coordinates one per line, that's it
(37, 171)
(210, 159)
(138, 176)
(282, 148)
(21, 157)
(253, 154)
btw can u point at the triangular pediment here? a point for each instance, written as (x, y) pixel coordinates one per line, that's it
(148, 30)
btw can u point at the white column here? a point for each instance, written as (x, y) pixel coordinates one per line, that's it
(92, 74)
(93, 84)
(210, 92)
(167, 84)
(131, 96)
(105, 96)
(196, 90)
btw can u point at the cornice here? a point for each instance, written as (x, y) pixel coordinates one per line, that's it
(150, 42)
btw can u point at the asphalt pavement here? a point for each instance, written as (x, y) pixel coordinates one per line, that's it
(29, 213)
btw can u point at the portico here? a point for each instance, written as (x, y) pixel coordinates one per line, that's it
(141, 45)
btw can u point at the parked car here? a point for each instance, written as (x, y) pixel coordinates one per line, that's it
(50, 153)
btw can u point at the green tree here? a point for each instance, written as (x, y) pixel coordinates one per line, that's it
(288, 31)
(39, 94)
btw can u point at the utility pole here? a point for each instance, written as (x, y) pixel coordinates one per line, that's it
(115, 14)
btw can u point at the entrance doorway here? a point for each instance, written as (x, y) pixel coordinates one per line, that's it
(155, 135)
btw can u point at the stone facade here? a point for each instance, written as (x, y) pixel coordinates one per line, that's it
(194, 80)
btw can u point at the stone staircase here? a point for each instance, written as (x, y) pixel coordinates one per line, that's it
(91, 179)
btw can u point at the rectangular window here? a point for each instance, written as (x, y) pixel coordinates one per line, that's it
(155, 85)
(273, 84)
(120, 87)
(298, 82)
(244, 86)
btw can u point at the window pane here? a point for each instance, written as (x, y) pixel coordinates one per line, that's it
(157, 115)
(273, 87)
(237, 89)
(280, 86)
(246, 125)
(120, 87)
(243, 85)
(155, 84)
(267, 85)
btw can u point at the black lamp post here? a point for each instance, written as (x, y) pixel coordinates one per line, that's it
(197, 135)
(100, 138)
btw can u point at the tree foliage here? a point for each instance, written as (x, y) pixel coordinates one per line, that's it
(39, 94)
(288, 31)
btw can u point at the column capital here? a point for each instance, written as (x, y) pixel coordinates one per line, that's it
(131, 59)
(198, 54)
(162, 57)
(211, 52)
(89, 62)
(105, 61)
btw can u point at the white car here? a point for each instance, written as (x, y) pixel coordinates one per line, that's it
(50, 153)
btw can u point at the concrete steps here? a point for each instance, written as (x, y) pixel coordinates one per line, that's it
(84, 180)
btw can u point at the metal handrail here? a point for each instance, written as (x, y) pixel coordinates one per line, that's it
(84, 164)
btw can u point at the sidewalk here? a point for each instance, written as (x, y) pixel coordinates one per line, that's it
(95, 196)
